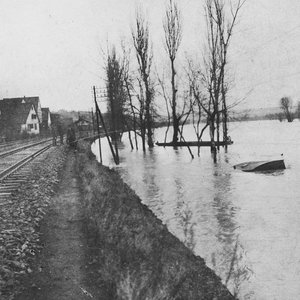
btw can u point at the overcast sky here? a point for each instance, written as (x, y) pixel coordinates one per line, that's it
(52, 48)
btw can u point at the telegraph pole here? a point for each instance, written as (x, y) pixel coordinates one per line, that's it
(98, 113)
(93, 122)
(98, 129)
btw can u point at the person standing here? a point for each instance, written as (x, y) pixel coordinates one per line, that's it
(61, 133)
(71, 137)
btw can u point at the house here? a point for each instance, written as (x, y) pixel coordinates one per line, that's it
(29, 100)
(17, 118)
(55, 119)
(84, 127)
(61, 122)
(83, 124)
(46, 119)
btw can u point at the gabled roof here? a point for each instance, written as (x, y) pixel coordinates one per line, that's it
(14, 113)
(32, 100)
(22, 100)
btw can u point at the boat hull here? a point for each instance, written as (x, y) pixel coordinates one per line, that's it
(257, 166)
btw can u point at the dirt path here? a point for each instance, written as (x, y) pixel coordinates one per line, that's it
(61, 271)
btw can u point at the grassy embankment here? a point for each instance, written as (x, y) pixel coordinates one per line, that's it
(138, 257)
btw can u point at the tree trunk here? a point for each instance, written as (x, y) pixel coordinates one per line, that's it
(212, 134)
(218, 127)
(176, 129)
(143, 136)
(174, 104)
(225, 126)
(148, 117)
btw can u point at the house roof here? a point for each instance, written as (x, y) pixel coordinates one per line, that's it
(14, 113)
(82, 120)
(21, 100)
(32, 100)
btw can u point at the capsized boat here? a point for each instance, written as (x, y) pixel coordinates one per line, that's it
(265, 165)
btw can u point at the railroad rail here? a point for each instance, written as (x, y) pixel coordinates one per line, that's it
(19, 144)
(18, 149)
(12, 171)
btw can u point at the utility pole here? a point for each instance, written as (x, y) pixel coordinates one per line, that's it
(98, 113)
(98, 129)
(93, 122)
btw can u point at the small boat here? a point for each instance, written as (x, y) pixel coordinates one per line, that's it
(266, 165)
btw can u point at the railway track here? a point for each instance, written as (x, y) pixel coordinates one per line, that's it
(15, 147)
(14, 168)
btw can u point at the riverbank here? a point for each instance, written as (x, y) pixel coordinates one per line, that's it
(137, 254)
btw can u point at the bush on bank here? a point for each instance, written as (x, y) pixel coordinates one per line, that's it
(139, 257)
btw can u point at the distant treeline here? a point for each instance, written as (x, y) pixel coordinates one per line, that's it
(272, 116)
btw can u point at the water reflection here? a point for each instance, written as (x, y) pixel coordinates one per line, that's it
(229, 261)
(152, 192)
(184, 215)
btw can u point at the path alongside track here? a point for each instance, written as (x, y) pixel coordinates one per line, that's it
(62, 269)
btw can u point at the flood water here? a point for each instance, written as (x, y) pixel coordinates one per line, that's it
(245, 225)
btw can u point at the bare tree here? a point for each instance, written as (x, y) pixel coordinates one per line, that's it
(220, 27)
(115, 93)
(197, 118)
(225, 28)
(183, 112)
(286, 105)
(140, 36)
(135, 105)
(173, 35)
(202, 107)
(167, 101)
(131, 115)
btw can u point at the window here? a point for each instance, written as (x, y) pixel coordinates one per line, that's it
(30, 126)
(35, 126)
(33, 116)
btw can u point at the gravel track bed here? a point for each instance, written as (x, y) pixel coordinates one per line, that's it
(20, 219)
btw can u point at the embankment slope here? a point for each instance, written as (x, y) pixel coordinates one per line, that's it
(138, 257)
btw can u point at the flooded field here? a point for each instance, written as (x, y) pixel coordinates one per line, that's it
(245, 225)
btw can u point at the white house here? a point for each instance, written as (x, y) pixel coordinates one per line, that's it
(31, 125)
